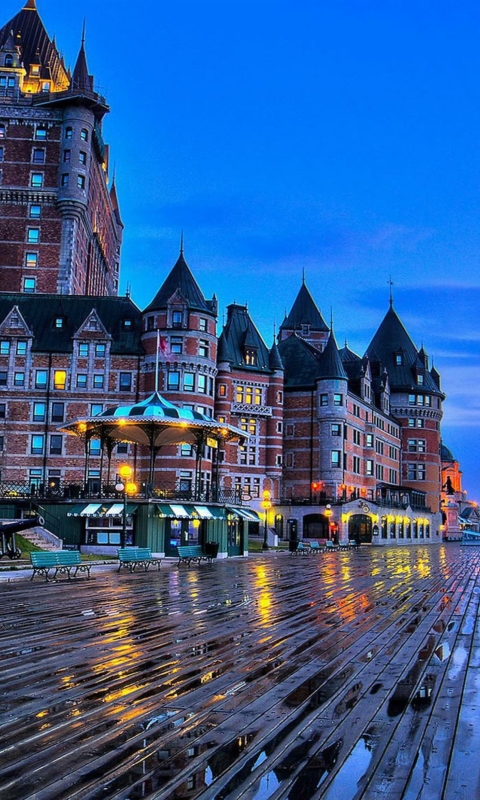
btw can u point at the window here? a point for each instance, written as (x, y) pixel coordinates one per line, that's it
(34, 211)
(125, 381)
(38, 155)
(177, 319)
(84, 135)
(249, 425)
(278, 461)
(36, 180)
(37, 444)
(31, 260)
(41, 379)
(2, 131)
(127, 324)
(176, 344)
(100, 350)
(3, 377)
(188, 382)
(369, 467)
(150, 323)
(29, 285)
(203, 348)
(419, 380)
(33, 235)
(81, 381)
(66, 156)
(222, 390)
(251, 357)
(336, 458)
(417, 446)
(122, 448)
(19, 379)
(173, 381)
(202, 384)
(369, 440)
(82, 157)
(94, 447)
(60, 379)
(247, 454)
(203, 324)
(1, 443)
(98, 381)
(64, 179)
(21, 348)
(59, 322)
(96, 408)
(186, 450)
(83, 350)
(1, 153)
(3, 410)
(416, 472)
(68, 133)
(356, 465)
(398, 359)
(338, 400)
(279, 427)
(81, 181)
(324, 399)
(58, 412)
(251, 395)
(4, 348)
(336, 429)
(356, 436)
(41, 132)
(55, 444)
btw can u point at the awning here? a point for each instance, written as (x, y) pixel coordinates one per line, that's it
(101, 510)
(117, 510)
(179, 511)
(91, 510)
(176, 511)
(245, 513)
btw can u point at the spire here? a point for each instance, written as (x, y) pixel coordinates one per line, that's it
(304, 312)
(30, 5)
(390, 282)
(181, 243)
(81, 80)
(330, 364)
(180, 279)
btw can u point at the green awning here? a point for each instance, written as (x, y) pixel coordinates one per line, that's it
(188, 511)
(101, 510)
(245, 513)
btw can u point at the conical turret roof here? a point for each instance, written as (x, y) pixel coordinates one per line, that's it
(180, 279)
(241, 335)
(330, 364)
(304, 312)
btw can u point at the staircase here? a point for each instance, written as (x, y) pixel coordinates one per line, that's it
(42, 538)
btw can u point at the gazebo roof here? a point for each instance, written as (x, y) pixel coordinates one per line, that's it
(153, 422)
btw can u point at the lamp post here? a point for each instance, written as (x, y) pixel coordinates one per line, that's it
(125, 486)
(266, 504)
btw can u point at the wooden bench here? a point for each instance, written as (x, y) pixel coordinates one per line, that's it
(191, 552)
(132, 557)
(64, 562)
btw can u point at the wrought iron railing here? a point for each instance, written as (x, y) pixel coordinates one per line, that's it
(33, 492)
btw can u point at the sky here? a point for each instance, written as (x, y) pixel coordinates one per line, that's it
(335, 139)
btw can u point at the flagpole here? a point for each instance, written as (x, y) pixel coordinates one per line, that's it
(156, 360)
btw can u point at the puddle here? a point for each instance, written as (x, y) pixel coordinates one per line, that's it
(401, 696)
(315, 772)
(423, 697)
(442, 651)
(345, 784)
(376, 688)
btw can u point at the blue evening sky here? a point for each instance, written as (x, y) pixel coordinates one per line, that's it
(339, 138)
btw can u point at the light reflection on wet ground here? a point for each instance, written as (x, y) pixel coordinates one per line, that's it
(349, 675)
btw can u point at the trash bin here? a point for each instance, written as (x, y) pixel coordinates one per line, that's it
(211, 549)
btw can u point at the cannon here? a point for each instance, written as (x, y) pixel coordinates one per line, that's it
(8, 530)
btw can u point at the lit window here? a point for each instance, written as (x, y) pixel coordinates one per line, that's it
(29, 285)
(100, 350)
(96, 408)
(66, 156)
(83, 350)
(64, 179)
(176, 344)
(59, 322)
(186, 450)
(84, 135)
(188, 382)
(36, 180)
(41, 132)
(98, 381)
(31, 260)
(34, 211)
(222, 390)
(82, 157)
(202, 384)
(19, 379)
(338, 400)
(173, 381)
(250, 357)
(60, 379)
(37, 444)
(41, 379)
(81, 181)
(21, 348)
(39, 412)
(4, 348)
(398, 359)
(203, 348)
(81, 381)
(336, 458)
(68, 133)
(2, 131)
(33, 236)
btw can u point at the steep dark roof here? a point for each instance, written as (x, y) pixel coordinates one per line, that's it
(41, 310)
(330, 364)
(275, 360)
(181, 279)
(29, 33)
(239, 330)
(223, 353)
(81, 80)
(300, 360)
(446, 454)
(390, 340)
(304, 312)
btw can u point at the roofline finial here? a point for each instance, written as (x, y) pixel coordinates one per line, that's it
(181, 243)
(303, 276)
(390, 283)
(331, 318)
(83, 31)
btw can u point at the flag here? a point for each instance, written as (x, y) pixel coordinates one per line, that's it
(163, 345)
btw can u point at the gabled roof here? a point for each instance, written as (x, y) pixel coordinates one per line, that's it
(330, 364)
(180, 279)
(300, 360)
(390, 340)
(119, 316)
(304, 312)
(240, 334)
(35, 45)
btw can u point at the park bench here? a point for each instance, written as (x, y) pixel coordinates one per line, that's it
(353, 544)
(330, 546)
(64, 562)
(301, 550)
(315, 547)
(191, 552)
(132, 557)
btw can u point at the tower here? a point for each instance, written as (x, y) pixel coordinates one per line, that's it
(60, 226)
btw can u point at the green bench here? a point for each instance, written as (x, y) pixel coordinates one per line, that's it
(301, 550)
(131, 557)
(191, 552)
(315, 547)
(64, 562)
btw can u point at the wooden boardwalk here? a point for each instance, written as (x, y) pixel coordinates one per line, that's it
(335, 676)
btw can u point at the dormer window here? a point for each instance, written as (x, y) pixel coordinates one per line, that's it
(305, 330)
(420, 380)
(177, 319)
(59, 323)
(127, 324)
(251, 357)
(398, 359)
(9, 60)
(35, 69)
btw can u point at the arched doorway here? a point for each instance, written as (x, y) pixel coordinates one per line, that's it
(360, 528)
(315, 526)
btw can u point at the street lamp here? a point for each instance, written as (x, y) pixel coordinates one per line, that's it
(125, 486)
(266, 504)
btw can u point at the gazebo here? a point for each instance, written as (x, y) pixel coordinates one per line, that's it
(154, 423)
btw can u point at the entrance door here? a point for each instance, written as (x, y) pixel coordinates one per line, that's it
(316, 526)
(234, 535)
(360, 528)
